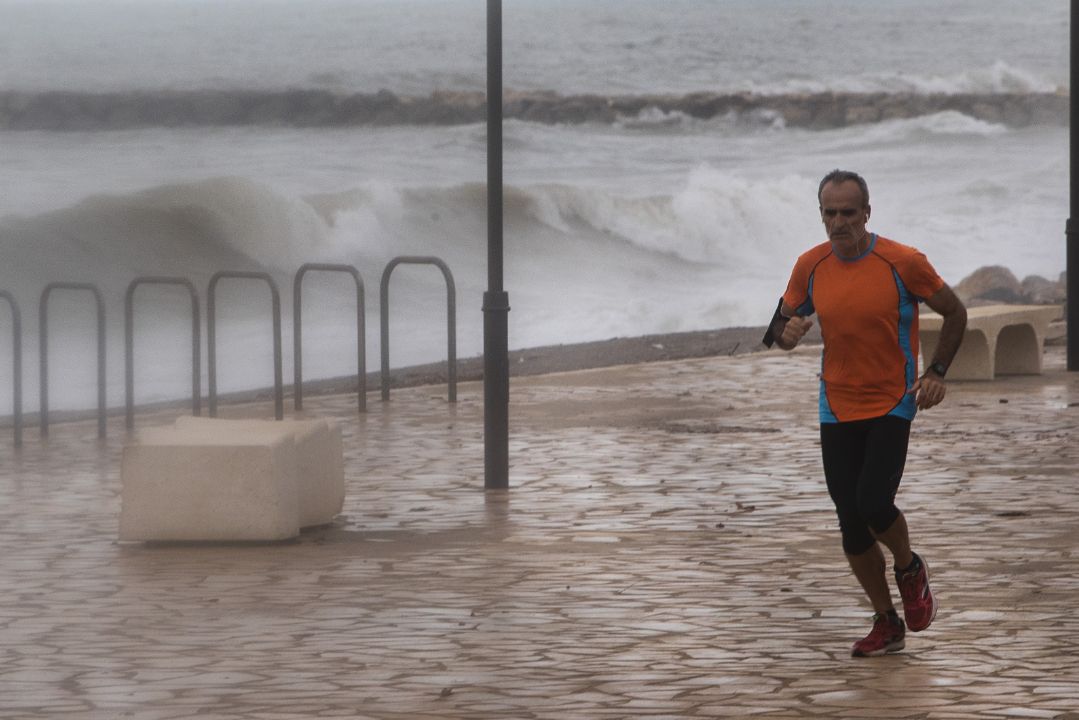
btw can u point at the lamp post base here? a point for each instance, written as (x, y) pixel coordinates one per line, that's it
(496, 390)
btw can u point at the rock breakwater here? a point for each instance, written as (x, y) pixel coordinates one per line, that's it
(61, 110)
(993, 284)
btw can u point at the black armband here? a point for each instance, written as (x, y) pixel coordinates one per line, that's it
(769, 337)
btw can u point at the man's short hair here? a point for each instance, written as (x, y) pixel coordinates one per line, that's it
(842, 176)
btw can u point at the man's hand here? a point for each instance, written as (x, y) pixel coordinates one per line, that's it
(793, 332)
(928, 390)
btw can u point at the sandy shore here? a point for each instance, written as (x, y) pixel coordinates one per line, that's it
(556, 358)
(559, 358)
(523, 362)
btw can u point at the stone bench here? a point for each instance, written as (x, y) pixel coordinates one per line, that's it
(206, 479)
(999, 340)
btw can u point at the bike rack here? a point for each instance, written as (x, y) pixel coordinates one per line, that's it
(211, 331)
(44, 340)
(211, 340)
(451, 320)
(129, 343)
(16, 364)
(297, 331)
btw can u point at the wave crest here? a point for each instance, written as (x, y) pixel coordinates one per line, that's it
(191, 229)
(715, 218)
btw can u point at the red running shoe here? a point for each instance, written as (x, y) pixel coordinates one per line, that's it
(886, 637)
(919, 605)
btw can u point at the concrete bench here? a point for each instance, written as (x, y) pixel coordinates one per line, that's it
(211, 479)
(999, 340)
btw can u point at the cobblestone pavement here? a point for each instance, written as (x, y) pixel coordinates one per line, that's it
(667, 550)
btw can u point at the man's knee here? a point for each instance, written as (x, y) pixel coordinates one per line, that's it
(878, 516)
(856, 535)
(860, 527)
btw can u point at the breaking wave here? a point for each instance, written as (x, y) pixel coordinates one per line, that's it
(195, 229)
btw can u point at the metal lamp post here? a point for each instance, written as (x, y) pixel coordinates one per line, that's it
(1072, 228)
(496, 383)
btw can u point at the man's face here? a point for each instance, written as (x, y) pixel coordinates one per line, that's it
(844, 214)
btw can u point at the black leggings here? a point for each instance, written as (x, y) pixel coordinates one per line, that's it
(863, 464)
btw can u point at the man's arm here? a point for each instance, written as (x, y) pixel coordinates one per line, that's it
(950, 307)
(929, 388)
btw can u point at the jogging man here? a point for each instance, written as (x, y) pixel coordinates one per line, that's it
(865, 290)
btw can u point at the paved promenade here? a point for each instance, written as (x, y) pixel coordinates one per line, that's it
(667, 550)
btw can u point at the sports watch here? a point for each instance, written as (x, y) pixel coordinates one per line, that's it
(938, 367)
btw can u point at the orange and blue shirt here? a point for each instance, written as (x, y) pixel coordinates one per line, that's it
(867, 309)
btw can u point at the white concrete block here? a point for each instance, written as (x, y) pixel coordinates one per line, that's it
(320, 466)
(209, 486)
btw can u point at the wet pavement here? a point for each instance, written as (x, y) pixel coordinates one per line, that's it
(666, 550)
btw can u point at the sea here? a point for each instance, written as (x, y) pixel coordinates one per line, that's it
(651, 222)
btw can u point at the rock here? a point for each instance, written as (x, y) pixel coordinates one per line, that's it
(71, 110)
(1040, 291)
(862, 114)
(987, 112)
(994, 282)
